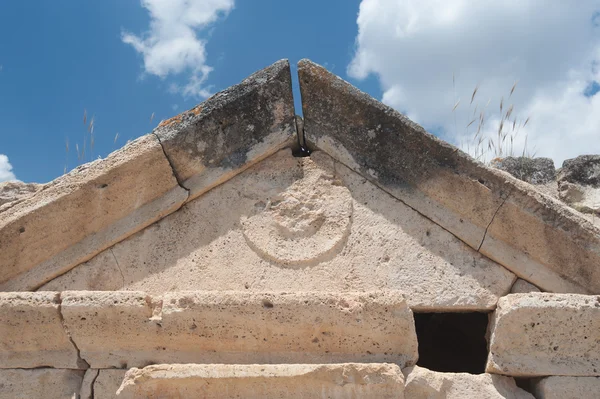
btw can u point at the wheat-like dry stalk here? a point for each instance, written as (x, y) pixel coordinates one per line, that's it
(509, 127)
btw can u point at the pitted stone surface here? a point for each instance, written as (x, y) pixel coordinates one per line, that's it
(536, 237)
(541, 334)
(373, 243)
(231, 130)
(264, 381)
(12, 191)
(42, 383)
(305, 223)
(84, 212)
(558, 387)
(32, 334)
(422, 383)
(239, 327)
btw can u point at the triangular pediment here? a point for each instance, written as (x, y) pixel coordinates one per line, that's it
(297, 224)
(480, 210)
(241, 250)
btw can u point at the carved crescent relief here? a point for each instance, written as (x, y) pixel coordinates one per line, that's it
(307, 223)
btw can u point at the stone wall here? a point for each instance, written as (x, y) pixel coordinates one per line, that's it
(307, 342)
(215, 258)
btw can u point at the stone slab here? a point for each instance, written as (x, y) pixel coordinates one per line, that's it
(333, 381)
(541, 334)
(560, 387)
(132, 329)
(78, 215)
(231, 130)
(298, 224)
(32, 334)
(536, 237)
(422, 383)
(40, 383)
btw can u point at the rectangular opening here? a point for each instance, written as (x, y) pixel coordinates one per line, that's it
(452, 342)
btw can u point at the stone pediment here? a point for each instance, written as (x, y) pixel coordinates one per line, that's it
(103, 204)
(211, 241)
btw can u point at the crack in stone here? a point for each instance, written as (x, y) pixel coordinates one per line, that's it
(119, 267)
(177, 177)
(87, 390)
(81, 362)
(492, 221)
(92, 384)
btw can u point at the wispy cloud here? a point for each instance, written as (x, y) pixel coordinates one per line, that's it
(414, 47)
(173, 44)
(6, 169)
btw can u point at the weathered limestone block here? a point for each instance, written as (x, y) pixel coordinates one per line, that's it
(231, 130)
(541, 334)
(422, 383)
(350, 380)
(131, 329)
(579, 183)
(101, 384)
(536, 237)
(531, 170)
(84, 212)
(298, 224)
(559, 387)
(522, 287)
(32, 334)
(12, 191)
(40, 383)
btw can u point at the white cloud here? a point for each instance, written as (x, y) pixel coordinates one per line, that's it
(6, 169)
(552, 48)
(173, 45)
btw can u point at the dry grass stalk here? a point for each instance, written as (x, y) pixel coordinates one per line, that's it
(509, 127)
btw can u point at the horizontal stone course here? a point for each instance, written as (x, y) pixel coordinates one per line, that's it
(32, 334)
(264, 381)
(132, 329)
(539, 334)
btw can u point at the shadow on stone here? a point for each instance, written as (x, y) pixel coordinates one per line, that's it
(452, 342)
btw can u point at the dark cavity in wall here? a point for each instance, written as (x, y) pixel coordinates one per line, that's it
(452, 342)
(300, 149)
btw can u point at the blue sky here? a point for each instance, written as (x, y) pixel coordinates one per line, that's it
(124, 60)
